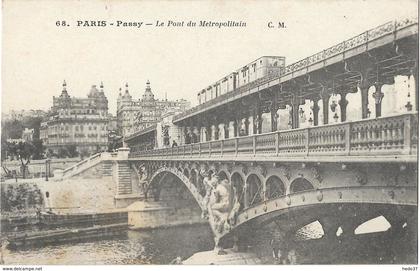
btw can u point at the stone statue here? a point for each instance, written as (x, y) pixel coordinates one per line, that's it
(257, 123)
(219, 202)
(242, 130)
(236, 206)
(143, 179)
(209, 183)
(165, 135)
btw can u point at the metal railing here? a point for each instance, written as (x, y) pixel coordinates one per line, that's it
(392, 135)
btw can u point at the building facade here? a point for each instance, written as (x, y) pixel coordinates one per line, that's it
(136, 115)
(163, 134)
(81, 123)
(28, 134)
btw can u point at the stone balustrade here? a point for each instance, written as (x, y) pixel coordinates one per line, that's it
(380, 137)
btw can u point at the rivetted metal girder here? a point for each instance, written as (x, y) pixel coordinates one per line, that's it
(339, 195)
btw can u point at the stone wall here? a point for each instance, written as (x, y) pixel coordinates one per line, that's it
(80, 195)
(150, 215)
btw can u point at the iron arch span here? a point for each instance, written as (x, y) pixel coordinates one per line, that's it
(321, 200)
(161, 175)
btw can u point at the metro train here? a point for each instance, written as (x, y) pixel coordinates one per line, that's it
(265, 66)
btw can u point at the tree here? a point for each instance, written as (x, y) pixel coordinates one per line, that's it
(51, 154)
(84, 153)
(4, 153)
(72, 151)
(114, 141)
(63, 153)
(23, 151)
(12, 129)
(38, 149)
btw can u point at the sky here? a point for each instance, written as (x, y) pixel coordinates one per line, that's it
(37, 55)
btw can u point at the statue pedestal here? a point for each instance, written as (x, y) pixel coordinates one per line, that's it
(123, 153)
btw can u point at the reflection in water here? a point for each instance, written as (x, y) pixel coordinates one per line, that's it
(161, 246)
(138, 247)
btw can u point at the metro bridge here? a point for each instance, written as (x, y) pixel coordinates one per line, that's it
(336, 170)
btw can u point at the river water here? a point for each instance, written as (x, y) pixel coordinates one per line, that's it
(160, 246)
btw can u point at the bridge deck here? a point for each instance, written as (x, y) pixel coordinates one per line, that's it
(386, 139)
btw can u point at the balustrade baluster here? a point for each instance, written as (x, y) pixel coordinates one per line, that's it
(377, 134)
(306, 141)
(361, 133)
(236, 146)
(210, 148)
(254, 143)
(406, 135)
(221, 147)
(382, 134)
(277, 143)
(363, 136)
(370, 137)
(347, 138)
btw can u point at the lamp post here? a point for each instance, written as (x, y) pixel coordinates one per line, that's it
(47, 163)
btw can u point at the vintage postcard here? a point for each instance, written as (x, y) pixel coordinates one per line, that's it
(209, 132)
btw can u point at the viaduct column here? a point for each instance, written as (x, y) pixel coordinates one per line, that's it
(228, 134)
(181, 135)
(378, 96)
(325, 96)
(236, 125)
(273, 110)
(315, 110)
(343, 105)
(221, 131)
(364, 90)
(295, 111)
(365, 68)
(213, 132)
(249, 123)
(415, 74)
(256, 118)
(203, 134)
(196, 136)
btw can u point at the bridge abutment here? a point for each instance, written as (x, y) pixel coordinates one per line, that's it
(161, 214)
